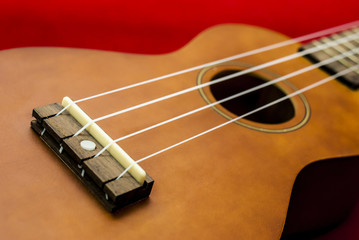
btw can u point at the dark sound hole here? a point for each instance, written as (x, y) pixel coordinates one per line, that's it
(278, 113)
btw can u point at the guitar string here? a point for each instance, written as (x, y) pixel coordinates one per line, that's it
(241, 55)
(309, 87)
(272, 82)
(249, 70)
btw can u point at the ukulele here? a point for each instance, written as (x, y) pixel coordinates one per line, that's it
(279, 170)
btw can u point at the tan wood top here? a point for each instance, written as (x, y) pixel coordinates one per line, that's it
(234, 183)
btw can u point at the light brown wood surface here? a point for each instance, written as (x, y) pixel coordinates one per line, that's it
(234, 183)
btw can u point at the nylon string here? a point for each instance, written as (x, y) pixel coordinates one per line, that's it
(237, 56)
(249, 70)
(309, 87)
(272, 82)
(241, 73)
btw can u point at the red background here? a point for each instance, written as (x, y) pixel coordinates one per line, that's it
(155, 26)
(160, 26)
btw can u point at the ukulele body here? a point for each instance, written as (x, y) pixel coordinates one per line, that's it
(233, 183)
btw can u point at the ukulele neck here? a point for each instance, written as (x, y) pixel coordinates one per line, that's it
(339, 43)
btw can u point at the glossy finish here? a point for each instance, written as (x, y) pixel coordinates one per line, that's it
(234, 183)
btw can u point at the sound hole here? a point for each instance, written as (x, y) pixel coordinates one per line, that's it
(278, 113)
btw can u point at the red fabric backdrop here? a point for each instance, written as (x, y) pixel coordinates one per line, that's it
(160, 26)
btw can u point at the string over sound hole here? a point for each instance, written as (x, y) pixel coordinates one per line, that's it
(276, 114)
